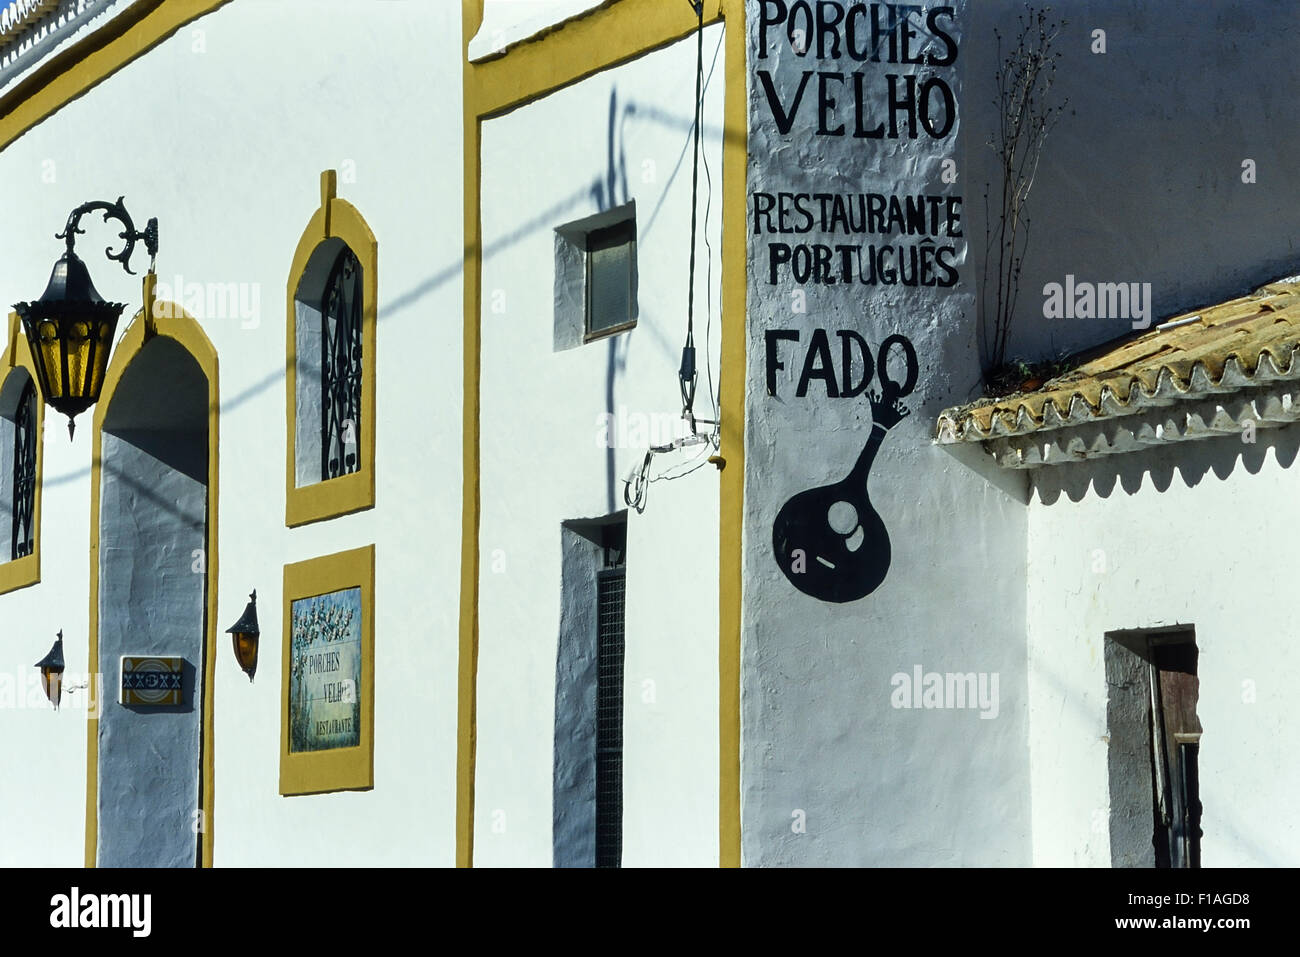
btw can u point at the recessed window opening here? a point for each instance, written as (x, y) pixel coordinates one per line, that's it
(611, 263)
(17, 466)
(329, 304)
(589, 695)
(596, 277)
(341, 367)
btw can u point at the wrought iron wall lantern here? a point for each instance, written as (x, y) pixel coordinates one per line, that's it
(244, 634)
(70, 328)
(52, 672)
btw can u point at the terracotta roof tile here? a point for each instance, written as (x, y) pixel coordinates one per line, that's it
(1221, 349)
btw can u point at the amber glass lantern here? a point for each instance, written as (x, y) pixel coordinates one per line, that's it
(70, 328)
(52, 672)
(244, 634)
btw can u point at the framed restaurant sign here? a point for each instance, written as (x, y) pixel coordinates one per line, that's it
(328, 675)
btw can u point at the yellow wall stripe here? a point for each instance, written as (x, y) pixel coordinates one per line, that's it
(467, 671)
(733, 383)
(66, 76)
(606, 37)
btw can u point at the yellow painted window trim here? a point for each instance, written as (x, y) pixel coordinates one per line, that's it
(170, 320)
(340, 769)
(25, 571)
(336, 218)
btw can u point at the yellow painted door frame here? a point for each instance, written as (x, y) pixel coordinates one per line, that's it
(174, 323)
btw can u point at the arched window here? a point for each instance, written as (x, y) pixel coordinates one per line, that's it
(330, 368)
(21, 420)
(329, 365)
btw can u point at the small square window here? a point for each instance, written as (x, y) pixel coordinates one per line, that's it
(595, 277)
(611, 270)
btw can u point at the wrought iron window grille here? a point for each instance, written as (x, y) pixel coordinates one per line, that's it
(341, 369)
(24, 473)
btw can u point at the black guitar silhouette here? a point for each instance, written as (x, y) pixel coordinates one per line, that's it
(829, 541)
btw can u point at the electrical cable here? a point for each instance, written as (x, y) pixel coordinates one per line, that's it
(708, 300)
(694, 462)
(636, 486)
(714, 398)
(687, 374)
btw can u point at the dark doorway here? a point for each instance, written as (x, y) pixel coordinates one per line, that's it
(1153, 761)
(152, 599)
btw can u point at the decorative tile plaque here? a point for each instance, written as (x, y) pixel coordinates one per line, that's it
(327, 727)
(152, 681)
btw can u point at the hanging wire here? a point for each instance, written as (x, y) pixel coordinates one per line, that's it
(708, 299)
(696, 461)
(687, 374)
(636, 486)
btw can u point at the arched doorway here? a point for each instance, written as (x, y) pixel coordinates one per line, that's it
(152, 587)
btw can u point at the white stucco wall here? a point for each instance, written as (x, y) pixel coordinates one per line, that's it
(1190, 535)
(620, 136)
(1141, 180)
(221, 132)
(834, 771)
(1141, 177)
(153, 521)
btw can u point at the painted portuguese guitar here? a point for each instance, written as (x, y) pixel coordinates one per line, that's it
(829, 541)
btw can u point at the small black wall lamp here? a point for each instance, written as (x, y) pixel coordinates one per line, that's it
(245, 634)
(52, 672)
